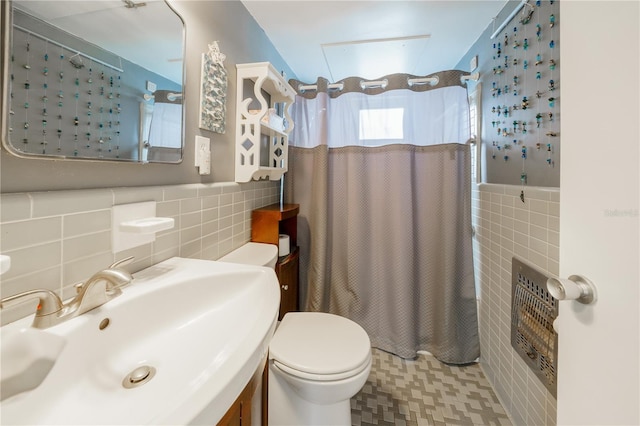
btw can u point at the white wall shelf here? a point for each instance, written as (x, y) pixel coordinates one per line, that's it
(261, 146)
(136, 224)
(148, 225)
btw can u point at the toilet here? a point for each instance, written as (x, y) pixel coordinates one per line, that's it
(317, 361)
(254, 254)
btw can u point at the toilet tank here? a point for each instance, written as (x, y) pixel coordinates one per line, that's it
(260, 254)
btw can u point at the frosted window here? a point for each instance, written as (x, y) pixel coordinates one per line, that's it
(376, 124)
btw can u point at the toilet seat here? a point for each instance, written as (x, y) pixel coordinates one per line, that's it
(320, 346)
(323, 377)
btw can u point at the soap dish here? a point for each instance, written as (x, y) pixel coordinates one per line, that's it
(147, 225)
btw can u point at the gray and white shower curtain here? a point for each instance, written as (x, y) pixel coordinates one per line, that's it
(385, 220)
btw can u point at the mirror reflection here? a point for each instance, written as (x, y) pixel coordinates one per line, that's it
(96, 80)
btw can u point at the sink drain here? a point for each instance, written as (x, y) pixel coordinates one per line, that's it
(139, 376)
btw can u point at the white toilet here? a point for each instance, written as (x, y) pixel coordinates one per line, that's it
(317, 361)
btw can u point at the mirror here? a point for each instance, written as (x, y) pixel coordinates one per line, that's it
(93, 80)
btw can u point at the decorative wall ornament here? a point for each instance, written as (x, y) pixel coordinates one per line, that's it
(213, 93)
(538, 75)
(53, 114)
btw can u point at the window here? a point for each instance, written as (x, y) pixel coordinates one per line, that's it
(381, 124)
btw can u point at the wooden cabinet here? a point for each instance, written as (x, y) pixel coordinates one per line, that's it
(267, 224)
(287, 272)
(240, 413)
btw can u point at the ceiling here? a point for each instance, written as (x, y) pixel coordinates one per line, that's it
(370, 39)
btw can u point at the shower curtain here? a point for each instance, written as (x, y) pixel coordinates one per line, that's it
(165, 129)
(382, 177)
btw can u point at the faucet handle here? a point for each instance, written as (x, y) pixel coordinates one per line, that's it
(122, 262)
(48, 301)
(78, 286)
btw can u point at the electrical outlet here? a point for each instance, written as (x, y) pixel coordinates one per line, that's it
(203, 155)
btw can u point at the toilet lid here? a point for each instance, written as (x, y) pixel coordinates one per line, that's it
(260, 254)
(319, 343)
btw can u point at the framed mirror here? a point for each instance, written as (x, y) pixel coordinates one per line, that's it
(93, 80)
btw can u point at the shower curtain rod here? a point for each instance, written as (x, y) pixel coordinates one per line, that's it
(383, 83)
(332, 86)
(170, 96)
(509, 18)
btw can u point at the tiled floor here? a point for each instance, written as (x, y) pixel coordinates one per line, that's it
(425, 391)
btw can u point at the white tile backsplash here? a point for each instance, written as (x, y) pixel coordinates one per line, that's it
(505, 226)
(86, 223)
(57, 203)
(58, 238)
(15, 207)
(25, 233)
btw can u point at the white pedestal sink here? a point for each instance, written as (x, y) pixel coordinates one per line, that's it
(203, 326)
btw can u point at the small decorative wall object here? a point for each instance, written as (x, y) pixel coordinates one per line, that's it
(213, 94)
(526, 14)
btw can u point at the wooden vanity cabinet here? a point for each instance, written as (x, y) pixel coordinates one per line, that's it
(267, 223)
(241, 411)
(287, 272)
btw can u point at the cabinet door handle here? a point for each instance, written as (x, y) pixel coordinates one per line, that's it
(285, 287)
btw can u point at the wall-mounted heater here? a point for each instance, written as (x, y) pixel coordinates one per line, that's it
(533, 311)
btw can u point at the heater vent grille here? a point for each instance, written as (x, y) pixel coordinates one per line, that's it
(532, 314)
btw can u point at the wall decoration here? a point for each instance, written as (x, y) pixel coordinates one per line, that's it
(523, 108)
(213, 93)
(53, 86)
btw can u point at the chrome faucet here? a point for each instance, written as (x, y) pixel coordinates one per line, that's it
(49, 306)
(96, 291)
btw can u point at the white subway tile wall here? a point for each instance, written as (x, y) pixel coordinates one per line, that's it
(506, 227)
(56, 239)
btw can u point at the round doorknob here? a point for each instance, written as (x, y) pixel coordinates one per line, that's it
(575, 287)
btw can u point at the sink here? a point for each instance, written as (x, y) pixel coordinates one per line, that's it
(187, 336)
(28, 354)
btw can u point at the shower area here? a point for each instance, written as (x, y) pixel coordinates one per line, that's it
(381, 170)
(161, 126)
